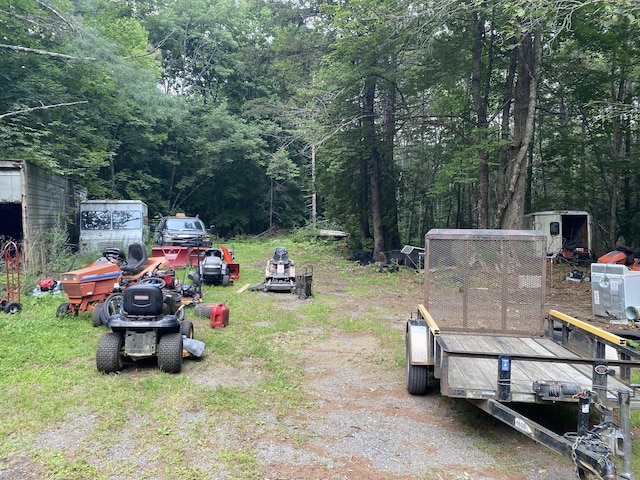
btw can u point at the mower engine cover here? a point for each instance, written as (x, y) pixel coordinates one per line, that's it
(214, 269)
(47, 284)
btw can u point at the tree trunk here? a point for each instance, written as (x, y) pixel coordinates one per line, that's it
(374, 169)
(619, 154)
(480, 103)
(388, 184)
(510, 214)
(505, 128)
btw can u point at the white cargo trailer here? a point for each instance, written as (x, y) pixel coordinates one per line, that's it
(564, 229)
(112, 223)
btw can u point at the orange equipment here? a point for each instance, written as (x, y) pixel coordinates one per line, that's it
(623, 256)
(113, 272)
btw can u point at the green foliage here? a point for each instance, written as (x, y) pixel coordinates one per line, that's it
(178, 103)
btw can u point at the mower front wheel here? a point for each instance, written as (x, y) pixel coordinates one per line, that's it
(186, 328)
(112, 306)
(62, 310)
(12, 308)
(96, 315)
(170, 353)
(109, 355)
(226, 280)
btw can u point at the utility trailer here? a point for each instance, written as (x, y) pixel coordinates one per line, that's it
(482, 335)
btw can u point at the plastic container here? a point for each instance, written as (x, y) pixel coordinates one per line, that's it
(219, 315)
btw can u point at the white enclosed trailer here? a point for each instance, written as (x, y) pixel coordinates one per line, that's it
(563, 229)
(112, 223)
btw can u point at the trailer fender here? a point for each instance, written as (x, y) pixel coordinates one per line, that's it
(417, 344)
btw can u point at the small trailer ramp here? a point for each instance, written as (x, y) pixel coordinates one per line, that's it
(482, 335)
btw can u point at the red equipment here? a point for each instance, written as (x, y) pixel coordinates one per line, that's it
(10, 303)
(183, 256)
(87, 287)
(176, 256)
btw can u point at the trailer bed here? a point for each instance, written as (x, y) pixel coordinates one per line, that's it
(471, 363)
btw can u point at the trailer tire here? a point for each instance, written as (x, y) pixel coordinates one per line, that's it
(170, 353)
(109, 355)
(417, 376)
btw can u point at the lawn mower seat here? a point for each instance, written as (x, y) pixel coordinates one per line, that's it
(136, 261)
(143, 300)
(280, 255)
(213, 252)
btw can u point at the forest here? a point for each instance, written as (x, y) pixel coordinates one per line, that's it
(383, 118)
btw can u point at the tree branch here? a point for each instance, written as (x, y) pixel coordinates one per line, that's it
(42, 107)
(44, 52)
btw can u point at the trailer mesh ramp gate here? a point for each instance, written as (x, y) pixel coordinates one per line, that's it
(482, 335)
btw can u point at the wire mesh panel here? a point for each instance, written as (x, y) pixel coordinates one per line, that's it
(489, 281)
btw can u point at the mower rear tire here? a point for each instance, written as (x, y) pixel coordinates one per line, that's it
(63, 309)
(170, 353)
(186, 328)
(96, 315)
(12, 308)
(202, 310)
(110, 355)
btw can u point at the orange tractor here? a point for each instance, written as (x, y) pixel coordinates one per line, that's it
(630, 257)
(88, 288)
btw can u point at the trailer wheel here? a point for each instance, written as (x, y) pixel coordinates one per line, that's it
(170, 353)
(96, 315)
(62, 310)
(417, 376)
(12, 308)
(109, 355)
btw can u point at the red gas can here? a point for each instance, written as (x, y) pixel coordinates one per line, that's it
(219, 315)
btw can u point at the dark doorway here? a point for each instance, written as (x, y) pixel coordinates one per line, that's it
(11, 221)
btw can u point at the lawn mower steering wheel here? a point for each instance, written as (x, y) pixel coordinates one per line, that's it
(115, 255)
(157, 281)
